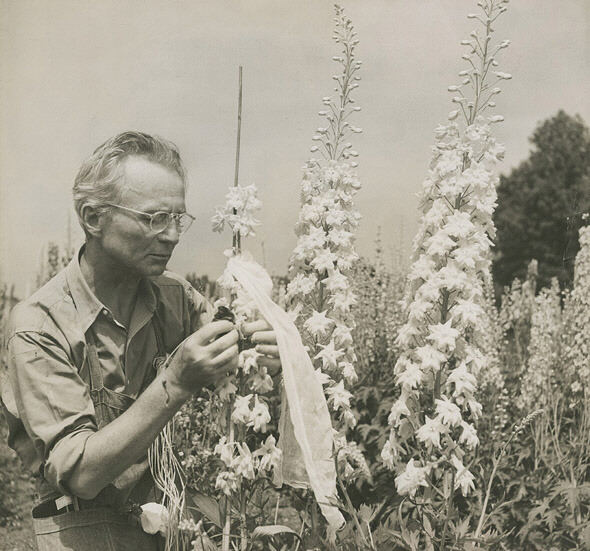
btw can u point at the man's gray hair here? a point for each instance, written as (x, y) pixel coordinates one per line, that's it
(97, 182)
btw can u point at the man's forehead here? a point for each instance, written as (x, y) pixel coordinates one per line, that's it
(141, 175)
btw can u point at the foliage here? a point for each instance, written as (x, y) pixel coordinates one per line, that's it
(541, 201)
(54, 258)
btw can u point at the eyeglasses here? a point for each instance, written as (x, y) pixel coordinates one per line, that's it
(159, 221)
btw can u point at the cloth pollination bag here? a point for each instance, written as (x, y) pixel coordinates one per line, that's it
(306, 433)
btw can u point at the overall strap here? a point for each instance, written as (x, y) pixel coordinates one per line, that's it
(96, 380)
(157, 323)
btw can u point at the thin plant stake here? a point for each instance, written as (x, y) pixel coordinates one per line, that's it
(237, 245)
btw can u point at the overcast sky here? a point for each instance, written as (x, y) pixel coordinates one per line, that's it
(75, 72)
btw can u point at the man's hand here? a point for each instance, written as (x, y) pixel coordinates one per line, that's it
(263, 336)
(205, 357)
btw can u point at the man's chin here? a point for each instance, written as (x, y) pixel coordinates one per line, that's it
(156, 268)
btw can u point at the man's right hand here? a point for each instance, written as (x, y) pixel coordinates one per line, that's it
(205, 357)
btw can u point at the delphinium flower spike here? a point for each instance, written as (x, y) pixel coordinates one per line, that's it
(433, 421)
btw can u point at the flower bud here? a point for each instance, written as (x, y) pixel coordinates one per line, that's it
(453, 88)
(472, 16)
(453, 115)
(314, 149)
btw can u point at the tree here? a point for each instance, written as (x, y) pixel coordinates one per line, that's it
(541, 202)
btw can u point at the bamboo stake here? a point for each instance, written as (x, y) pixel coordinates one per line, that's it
(237, 245)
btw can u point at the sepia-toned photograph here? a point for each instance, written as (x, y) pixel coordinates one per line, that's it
(294, 275)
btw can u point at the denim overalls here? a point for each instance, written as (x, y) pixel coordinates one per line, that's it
(105, 522)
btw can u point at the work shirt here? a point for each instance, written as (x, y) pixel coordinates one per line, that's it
(46, 394)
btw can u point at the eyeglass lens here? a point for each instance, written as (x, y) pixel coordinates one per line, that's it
(161, 220)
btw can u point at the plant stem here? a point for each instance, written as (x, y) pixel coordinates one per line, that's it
(236, 246)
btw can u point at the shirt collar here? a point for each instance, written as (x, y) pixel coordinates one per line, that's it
(89, 306)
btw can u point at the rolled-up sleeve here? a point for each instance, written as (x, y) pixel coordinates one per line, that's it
(53, 403)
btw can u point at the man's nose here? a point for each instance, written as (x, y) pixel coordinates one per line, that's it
(171, 233)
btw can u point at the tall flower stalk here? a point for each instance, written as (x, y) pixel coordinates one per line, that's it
(576, 317)
(247, 453)
(244, 415)
(319, 292)
(433, 422)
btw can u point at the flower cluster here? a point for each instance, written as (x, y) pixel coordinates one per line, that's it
(544, 355)
(319, 293)
(242, 394)
(238, 211)
(576, 319)
(436, 372)
(320, 290)
(491, 378)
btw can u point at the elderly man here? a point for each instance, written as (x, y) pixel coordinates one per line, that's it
(84, 398)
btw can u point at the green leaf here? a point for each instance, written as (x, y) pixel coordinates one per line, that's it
(207, 505)
(551, 517)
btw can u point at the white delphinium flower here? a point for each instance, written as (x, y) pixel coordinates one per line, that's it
(440, 356)
(241, 393)
(227, 482)
(320, 265)
(431, 431)
(325, 253)
(491, 378)
(269, 455)
(576, 320)
(411, 478)
(544, 353)
(238, 211)
(259, 416)
(243, 463)
(463, 478)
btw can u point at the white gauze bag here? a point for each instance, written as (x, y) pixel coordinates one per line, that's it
(306, 434)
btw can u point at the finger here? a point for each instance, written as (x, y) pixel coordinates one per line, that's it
(212, 330)
(231, 366)
(264, 337)
(273, 365)
(253, 326)
(228, 358)
(223, 343)
(268, 350)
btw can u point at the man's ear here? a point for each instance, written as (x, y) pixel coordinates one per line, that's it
(92, 219)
